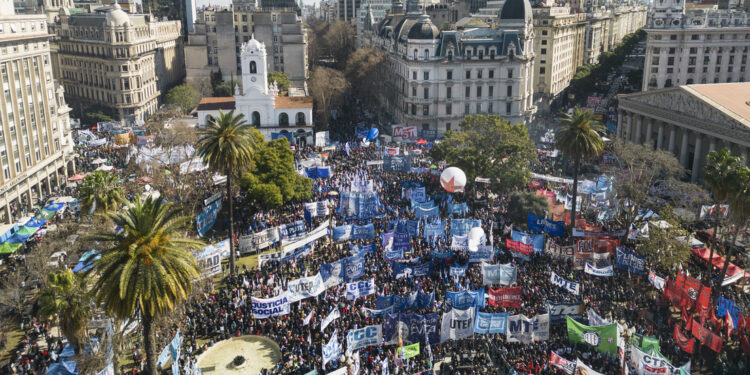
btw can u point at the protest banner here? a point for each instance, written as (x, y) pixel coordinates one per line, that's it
(628, 260)
(457, 324)
(460, 243)
(359, 205)
(316, 209)
(364, 337)
(540, 224)
(537, 240)
(558, 311)
(412, 328)
(526, 330)
(464, 299)
(331, 350)
(362, 249)
(570, 286)
(259, 241)
(490, 323)
(415, 301)
(602, 338)
(404, 133)
(209, 258)
(401, 270)
(560, 252)
(396, 163)
(505, 297)
(333, 315)
(461, 227)
(404, 226)
(525, 249)
(601, 272)
(207, 217)
(269, 307)
(638, 359)
(563, 364)
(493, 274)
(396, 241)
(360, 289)
(305, 287)
(410, 351)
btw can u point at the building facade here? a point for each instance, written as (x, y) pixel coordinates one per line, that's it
(117, 60)
(440, 77)
(36, 149)
(272, 115)
(559, 46)
(282, 30)
(695, 45)
(688, 121)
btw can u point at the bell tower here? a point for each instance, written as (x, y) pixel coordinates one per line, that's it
(253, 59)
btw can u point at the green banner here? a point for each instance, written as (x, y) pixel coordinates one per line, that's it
(411, 350)
(647, 344)
(602, 338)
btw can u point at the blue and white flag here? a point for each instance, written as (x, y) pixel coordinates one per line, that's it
(482, 255)
(558, 311)
(333, 315)
(361, 205)
(360, 289)
(207, 217)
(269, 307)
(356, 250)
(364, 337)
(401, 270)
(601, 272)
(396, 241)
(344, 270)
(417, 194)
(458, 271)
(461, 227)
(404, 226)
(332, 350)
(540, 224)
(570, 286)
(421, 213)
(460, 243)
(433, 230)
(305, 287)
(393, 254)
(490, 323)
(464, 299)
(457, 208)
(493, 274)
(530, 239)
(628, 260)
(353, 232)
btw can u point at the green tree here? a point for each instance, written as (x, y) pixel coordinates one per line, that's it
(367, 70)
(489, 147)
(67, 298)
(102, 191)
(149, 267)
(185, 97)
(661, 246)
(578, 138)
(521, 203)
(227, 145)
(720, 172)
(327, 87)
(271, 181)
(96, 113)
(281, 79)
(739, 210)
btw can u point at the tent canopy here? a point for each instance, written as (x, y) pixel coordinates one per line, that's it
(734, 273)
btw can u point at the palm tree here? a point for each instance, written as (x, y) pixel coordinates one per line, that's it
(101, 191)
(720, 168)
(67, 298)
(739, 211)
(578, 138)
(149, 267)
(227, 144)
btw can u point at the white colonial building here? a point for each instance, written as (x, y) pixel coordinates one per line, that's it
(274, 116)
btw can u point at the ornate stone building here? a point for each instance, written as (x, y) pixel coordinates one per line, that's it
(688, 45)
(559, 46)
(36, 150)
(440, 77)
(688, 121)
(118, 60)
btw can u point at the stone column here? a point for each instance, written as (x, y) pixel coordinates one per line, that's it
(711, 143)
(696, 157)
(30, 202)
(57, 177)
(684, 147)
(39, 189)
(649, 129)
(638, 127)
(660, 136)
(620, 124)
(629, 128)
(8, 214)
(49, 185)
(671, 138)
(743, 153)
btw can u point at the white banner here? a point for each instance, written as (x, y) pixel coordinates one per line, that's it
(305, 287)
(364, 337)
(656, 281)
(330, 318)
(268, 307)
(602, 272)
(320, 231)
(641, 361)
(595, 320)
(259, 241)
(402, 133)
(360, 289)
(570, 286)
(460, 243)
(209, 258)
(583, 369)
(316, 209)
(457, 324)
(526, 330)
(332, 350)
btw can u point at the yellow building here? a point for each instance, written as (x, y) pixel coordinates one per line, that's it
(559, 41)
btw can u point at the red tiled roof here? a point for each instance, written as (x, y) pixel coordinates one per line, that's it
(216, 103)
(284, 102)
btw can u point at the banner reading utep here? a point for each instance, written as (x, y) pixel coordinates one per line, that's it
(457, 324)
(404, 133)
(305, 287)
(506, 297)
(268, 307)
(570, 286)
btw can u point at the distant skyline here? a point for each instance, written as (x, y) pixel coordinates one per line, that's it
(200, 3)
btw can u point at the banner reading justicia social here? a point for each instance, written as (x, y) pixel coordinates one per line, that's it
(268, 307)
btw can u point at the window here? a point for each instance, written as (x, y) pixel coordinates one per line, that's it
(509, 91)
(479, 73)
(414, 109)
(425, 110)
(426, 54)
(256, 119)
(449, 75)
(468, 74)
(253, 68)
(492, 73)
(448, 92)
(426, 76)
(542, 70)
(479, 91)
(479, 107)
(449, 109)
(671, 51)
(673, 37)
(414, 75)
(544, 42)
(491, 91)
(544, 51)
(694, 37)
(300, 118)
(468, 92)
(544, 32)
(693, 50)
(426, 92)
(655, 60)
(447, 126)
(508, 107)
(670, 61)
(489, 108)
(466, 108)
(691, 60)
(413, 92)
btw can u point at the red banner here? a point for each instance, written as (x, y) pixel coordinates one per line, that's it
(506, 297)
(684, 291)
(707, 338)
(526, 249)
(685, 344)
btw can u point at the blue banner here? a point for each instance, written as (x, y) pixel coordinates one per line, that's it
(331, 350)
(480, 256)
(458, 271)
(396, 241)
(362, 249)
(396, 163)
(461, 227)
(530, 239)
(416, 327)
(628, 260)
(424, 205)
(442, 255)
(434, 230)
(344, 270)
(558, 311)
(420, 213)
(727, 305)
(490, 323)
(493, 274)
(401, 270)
(540, 224)
(417, 300)
(458, 208)
(393, 254)
(464, 299)
(318, 172)
(353, 232)
(293, 230)
(207, 218)
(361, 205)
(404, 226)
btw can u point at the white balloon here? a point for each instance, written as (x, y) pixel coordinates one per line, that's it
(453, 179)
(476, 238)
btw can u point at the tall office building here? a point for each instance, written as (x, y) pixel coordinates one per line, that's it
(36, 150)
(694, 45)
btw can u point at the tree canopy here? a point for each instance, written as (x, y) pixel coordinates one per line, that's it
(272, 181)
(185, 97)
(489, 147)
(521, 203)
(281, 79)
(327, 87)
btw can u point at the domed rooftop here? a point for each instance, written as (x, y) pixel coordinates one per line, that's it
(516, 10)
(115, 16)
(423, 29)
(253, 44)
